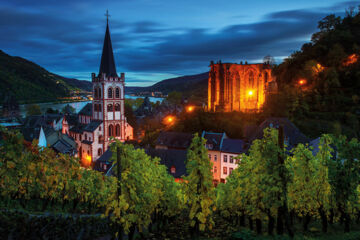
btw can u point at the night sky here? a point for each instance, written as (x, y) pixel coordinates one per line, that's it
(154, 40)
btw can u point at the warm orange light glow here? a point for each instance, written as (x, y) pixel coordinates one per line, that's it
(353, 58)
(250, 92)
(302, 82)
(318, 68)
(169, 120)
(86, 161)
(190, 108)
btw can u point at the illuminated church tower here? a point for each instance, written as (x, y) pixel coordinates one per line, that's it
(108, 97)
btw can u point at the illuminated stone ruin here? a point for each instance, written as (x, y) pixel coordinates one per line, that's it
(239, 87)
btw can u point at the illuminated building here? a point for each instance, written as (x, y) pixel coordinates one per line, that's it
(239, 87)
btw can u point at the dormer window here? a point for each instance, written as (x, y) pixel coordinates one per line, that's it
(173, 169)
(209, 146)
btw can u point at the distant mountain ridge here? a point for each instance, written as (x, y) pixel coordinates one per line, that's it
(30, 83)
(190, 86)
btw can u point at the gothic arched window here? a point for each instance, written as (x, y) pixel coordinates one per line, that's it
(117, 107)
(99, 107)
(110, 108)
(110, 92)
(99, 92)
(95, 93)
(266, 77)
(99, 152)
(251, 79)
(117, 130)
(117, 92)
(111, 130)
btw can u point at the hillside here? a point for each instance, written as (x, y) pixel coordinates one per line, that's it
(192, 86)
(31, 83)
(320, 84)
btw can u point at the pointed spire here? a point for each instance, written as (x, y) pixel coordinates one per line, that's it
(107, 64)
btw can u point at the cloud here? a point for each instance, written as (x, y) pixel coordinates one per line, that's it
(66, 42)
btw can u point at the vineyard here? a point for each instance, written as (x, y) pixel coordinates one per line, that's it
(274, 192)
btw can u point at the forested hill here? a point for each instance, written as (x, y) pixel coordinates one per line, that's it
(194, 86)
(320, 84)
(31, 83)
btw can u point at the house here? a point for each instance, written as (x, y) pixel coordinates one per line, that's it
(230, 149)
(173, 140)
(41, 127)
(292, 135)
(173, 159)
(213, 144)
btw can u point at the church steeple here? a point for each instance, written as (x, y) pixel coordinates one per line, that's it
(107, 64)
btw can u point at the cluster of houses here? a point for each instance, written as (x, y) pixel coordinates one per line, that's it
(223, 152)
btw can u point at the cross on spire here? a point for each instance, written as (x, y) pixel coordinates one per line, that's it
(107, 16)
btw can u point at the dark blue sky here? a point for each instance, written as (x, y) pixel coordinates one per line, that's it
(157, 39)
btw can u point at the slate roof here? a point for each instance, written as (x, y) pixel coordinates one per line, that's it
(107, 64)
(291, 132)
(79, 128)
(86, 110)
(214, 139)
(233, 146)
(170, 158)
(63, 146)
(175, 140)
(72, 119)
(92, 126)
(86, 142)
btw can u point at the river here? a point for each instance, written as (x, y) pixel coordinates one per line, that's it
(77, 105)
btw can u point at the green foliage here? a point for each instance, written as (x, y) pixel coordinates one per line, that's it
(174, 98)
(327, 96)
(33, 109)
(199, 188)
(31, 83)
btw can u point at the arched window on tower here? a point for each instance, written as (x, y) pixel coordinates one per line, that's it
(110, 92)
(117, 130)
(99, 152)
(95, 93)
(111, 130)
(117, 92)
(110, 108)
(266, 77)
(251, 79)
(117, 107)
(99, 92)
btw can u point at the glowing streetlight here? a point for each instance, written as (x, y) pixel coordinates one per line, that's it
(250, 92)
(169, 120)
(302, 82)
(190, 109)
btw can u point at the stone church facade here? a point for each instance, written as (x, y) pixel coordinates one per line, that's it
(104, 119)
(239, 87)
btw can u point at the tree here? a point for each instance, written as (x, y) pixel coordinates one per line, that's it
(199, 187)
(33, 109)
(345, 177)
(174, 98)
(309, 189)
(68, 109)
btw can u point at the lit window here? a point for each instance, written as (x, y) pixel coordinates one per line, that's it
(230, 170)
(105, 166)
(225, 170)
(173, 169)
(225, 158)
(231, 159)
